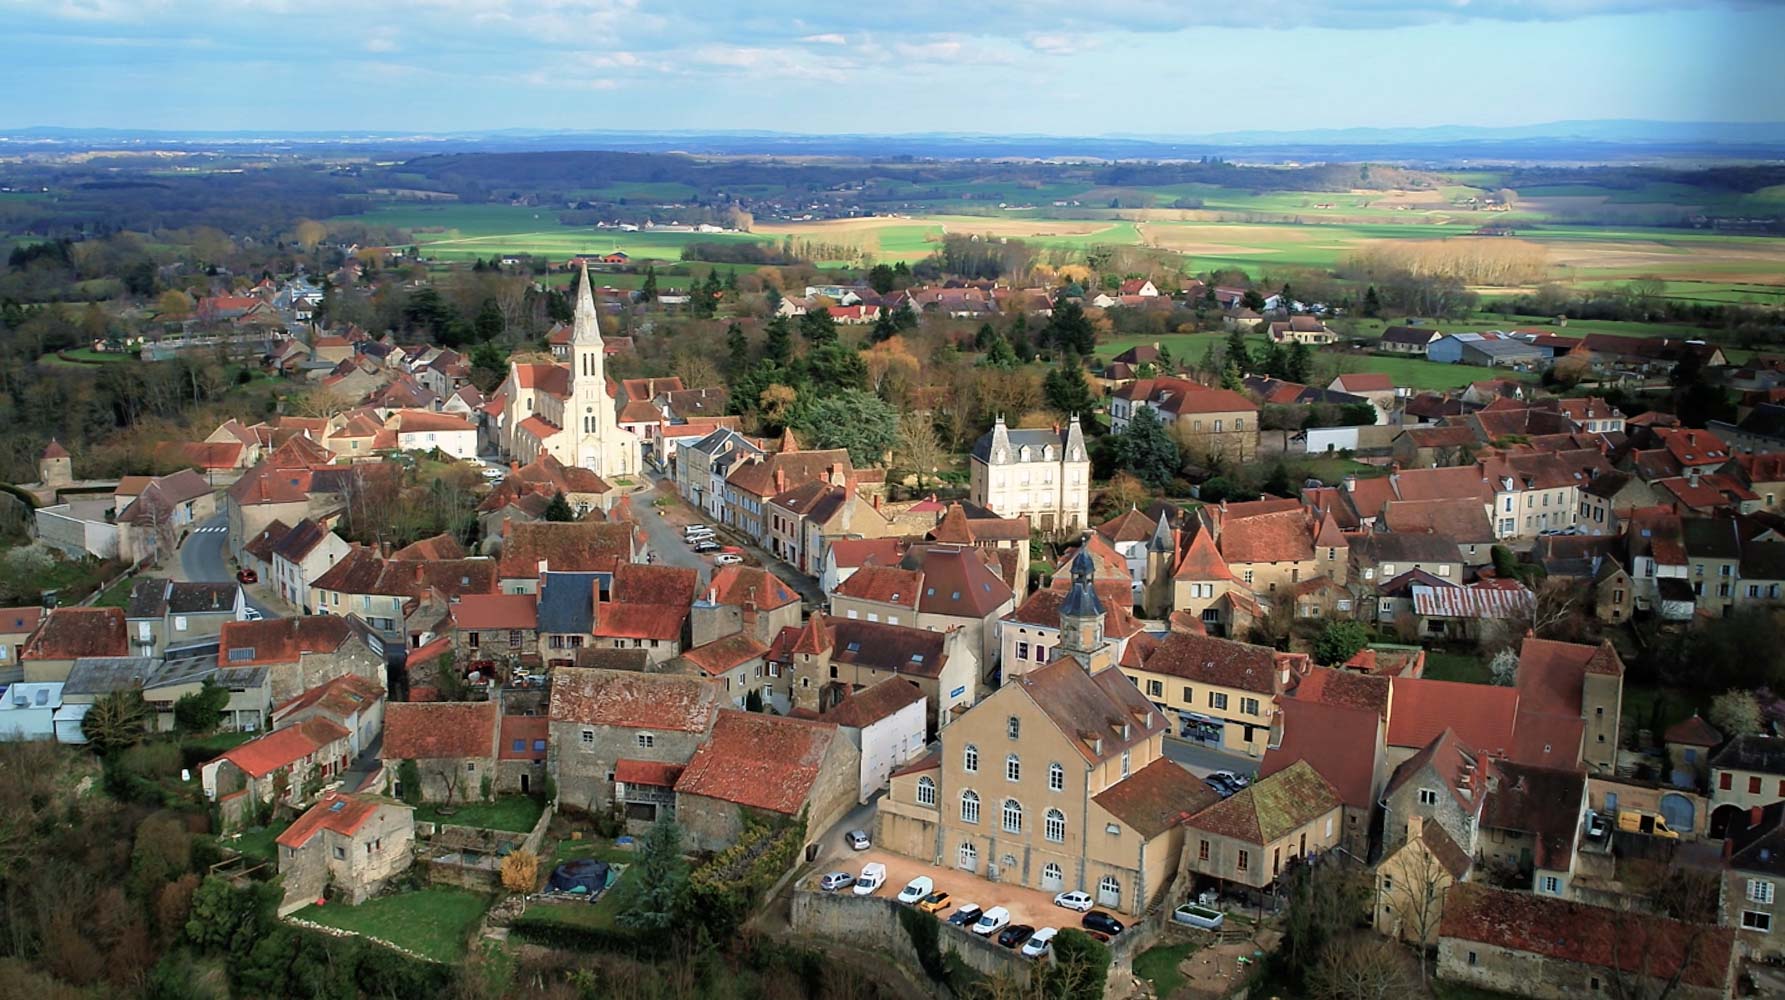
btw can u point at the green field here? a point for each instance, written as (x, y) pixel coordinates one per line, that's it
(463, 232)
(432, 922)
(1412, 372)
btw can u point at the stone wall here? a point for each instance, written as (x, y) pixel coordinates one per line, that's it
(1525, 974)
(872, 923)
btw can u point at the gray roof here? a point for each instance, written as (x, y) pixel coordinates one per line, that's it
(1409, 335)
(1752, 753)
(1504, 348)
(105, 674)
(1081, 601)
(154, 597)
(1034, 437)
(183, 670)
(567, 603)
(1712, 538)
(1405, 547)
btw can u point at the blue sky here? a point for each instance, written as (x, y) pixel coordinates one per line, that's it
(998, 66)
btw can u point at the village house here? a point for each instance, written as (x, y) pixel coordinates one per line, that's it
(702, 467)
(1029, 633)
(1753, 867)
(623, 737)
(1537, 946)
(1441, 787)
(300, 557)
(750, 484)
(351, 702)
(745, 599)
(496, 629)
(830, 657)
(1301, 330)
(348, 844)
(938, 587)
(17, 626)
(286, 766)
(766, 765)
(1209, 422)
(1749, 771)
(1570, 703)
(66, 635)
(737, 662)
(531, 550)
(845, 556)
(302, 653)
(163, 614)
(1531, 823)
(887, 723)
(1412, 880)
(1039, 473)
(1347, 745)
(1247, 839)
(1224, 690)
(451, 743)
(385, 592)
(1407, 339)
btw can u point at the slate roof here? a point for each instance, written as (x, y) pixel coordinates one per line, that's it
(632, 700)
(1156, 798)
(154, 597)
(440, 730)
(1271, 808)
(1394, 547)
(1756, 840)
(1752, 752)
(760, 761)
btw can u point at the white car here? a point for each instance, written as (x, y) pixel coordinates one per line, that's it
(252, 615)
(691, 530)
(917, 889)
(494, 474)
(1080, 901)
(991, 921)
(727, 559)
(873, 876)
(1037, 944)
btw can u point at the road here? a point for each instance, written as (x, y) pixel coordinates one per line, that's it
(665, 538)
(1201, 759)
(204, 558)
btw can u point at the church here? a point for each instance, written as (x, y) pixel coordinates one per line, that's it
(568, 410)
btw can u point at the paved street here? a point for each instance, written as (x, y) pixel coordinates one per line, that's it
(665, 536)
(1201, 759)
(204, 558)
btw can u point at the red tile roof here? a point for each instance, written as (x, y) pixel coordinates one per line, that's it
(16, 621)
(335, 811)
(1345, 689)
(883, 585)
(876, 702)
(284, 747)
(496, 611)
(1202, 560)
(1210, 660)
(1589, 935)
(1339, 741)
(440, 729)
(531, 732)
(567, 547)
(70, 633)
(723, 654)
(280, 640)
(760, 761)
(646, 772)
(740, 585)
(1156, 798)
(638, 583)
(1279, 537)
(663, 622)
(1693, 731)
(632, 700)
(1482, 715)
(342, 695)
(441, 546)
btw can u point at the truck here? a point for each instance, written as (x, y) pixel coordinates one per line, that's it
(1637, 821)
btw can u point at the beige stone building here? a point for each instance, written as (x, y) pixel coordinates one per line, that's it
(1041, 473)
(1206, 683)
(1248, 838)
(830, 658)
(1412, 879)
(350, 844)
(1209, 422)
(766, 765)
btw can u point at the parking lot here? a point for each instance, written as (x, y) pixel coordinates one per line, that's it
(1026, 906)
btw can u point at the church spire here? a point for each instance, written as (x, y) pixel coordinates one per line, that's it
(587, 329)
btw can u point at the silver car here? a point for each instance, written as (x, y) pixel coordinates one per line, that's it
(835, 881)
(857, 840)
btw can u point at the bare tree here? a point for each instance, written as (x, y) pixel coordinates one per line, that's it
(1414, 894)
(917, 445)
(1362, 967)
(322, 402)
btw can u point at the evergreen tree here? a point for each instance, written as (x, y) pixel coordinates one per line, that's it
(489, 321)
(1252, 300)
(737, 346)
(648, 291)
(1275, 363)
(818, 327)
(1372, 302)
(1069, 329)
(982, 340)
(1066, 390)
(1237, 354)
(559, 509)
(1231, 378)
(778, 347)
(1300, 363)
(881, 278)
(660, 888)
(999, 354)
(1145, 449)
(884, 327)
(731, 282)
(904, 317)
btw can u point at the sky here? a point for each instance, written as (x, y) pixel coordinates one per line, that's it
(1064, 67)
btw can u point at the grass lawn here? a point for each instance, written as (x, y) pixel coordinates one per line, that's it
(590, 847)
(514, 813)
(1159, 965)
(1649, 706)
(257, 844)
(1421, 374)
(116, 596)
(1441, 666)
(433, 922)
(216, 743)
(603, 913)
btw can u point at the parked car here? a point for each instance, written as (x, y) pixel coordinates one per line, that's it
(706, 546)
(1015, 935)
(1097, 920)
(1080, 901)
(727, 559)
(991, 921)
(247, 576)
(835, 881)
(493, 474)
(1637, 821)
(1221, 788)
(252, 615)
(965, 914)
(1037, 944)
(935, 902)
(857, 840)
(1230, 779)
(873, 876)
(917, 889)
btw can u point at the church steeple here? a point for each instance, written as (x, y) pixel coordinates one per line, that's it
(587, 328)
(1081, 613)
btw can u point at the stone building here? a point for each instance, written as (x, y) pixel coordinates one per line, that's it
(1208, 422)
(495, 629)
(831, 657)
(1248, 838)
(1039, 473)
(284, 766)
(1754, 865)
(68, 634)
(1411, 882)
(1553, 949)
(609, 724)
(350, 844)
(302, 653)
(452, 743)
(936, 587)
(767, 765)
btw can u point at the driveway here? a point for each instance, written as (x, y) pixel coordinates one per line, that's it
(1026, 906)
(1201, 758)
(204, 558)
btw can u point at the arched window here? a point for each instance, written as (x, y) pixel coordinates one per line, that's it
(1047, 453)
(969, 806)
(970, 759)
(1013, 816)
(926, 792)
(1013, 727)
(1056, 777)
(1013, 768)
(1055, 827)
(1109, 891)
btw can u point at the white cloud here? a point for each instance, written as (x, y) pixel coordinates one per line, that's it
(829, 38)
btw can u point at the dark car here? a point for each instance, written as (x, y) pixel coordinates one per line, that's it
(1221, 787)
(968, 913)
(1097, 920)
(1014, 935)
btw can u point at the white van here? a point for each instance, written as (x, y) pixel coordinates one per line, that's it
(873, 876)
(920, 887)
(991, 921)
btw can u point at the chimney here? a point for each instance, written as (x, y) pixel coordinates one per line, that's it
(1692, 477)
(876, 501)
(849, 489)
(1350, 483)
(780, 480)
